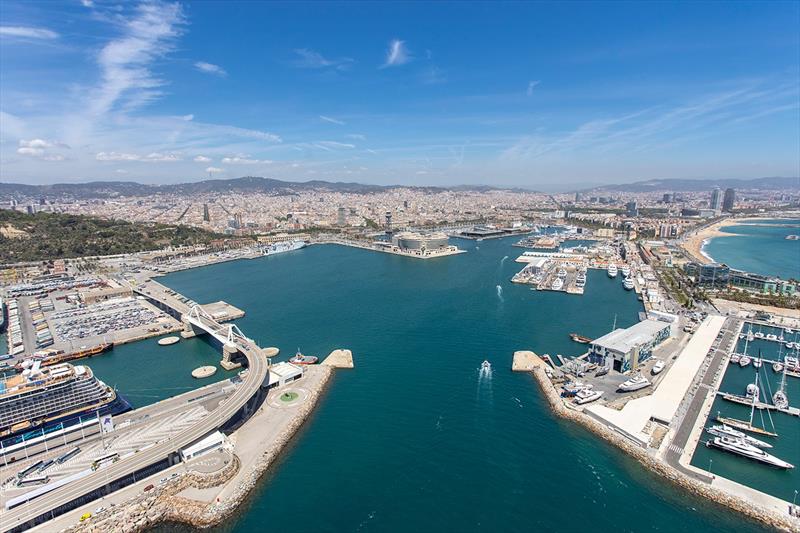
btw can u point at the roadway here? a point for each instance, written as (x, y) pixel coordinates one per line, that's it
(721, 349)
(257, 372)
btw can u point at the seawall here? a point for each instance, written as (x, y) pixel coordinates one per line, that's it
(758, 513)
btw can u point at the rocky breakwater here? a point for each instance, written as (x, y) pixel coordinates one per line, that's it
(164, 504)
(759, 513)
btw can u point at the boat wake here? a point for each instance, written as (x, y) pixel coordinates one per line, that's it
(500, 293)
(503, 260)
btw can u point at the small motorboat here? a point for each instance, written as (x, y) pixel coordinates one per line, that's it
(744, 361)
(757, 362)
(486, 365)
(657, 368)
(777, 367)
(752, 391)
(735, 358)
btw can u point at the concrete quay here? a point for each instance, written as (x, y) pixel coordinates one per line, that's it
(205, 499)
(415, 254)
(339, 359)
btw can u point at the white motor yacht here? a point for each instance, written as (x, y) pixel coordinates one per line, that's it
(587, 395)
(612, 271)
(628, 284)
(744, 361)
(635, 383)
(740, 447)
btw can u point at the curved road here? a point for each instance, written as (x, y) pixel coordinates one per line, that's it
(258, 369)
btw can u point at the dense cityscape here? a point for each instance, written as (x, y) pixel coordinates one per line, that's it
(436, 286)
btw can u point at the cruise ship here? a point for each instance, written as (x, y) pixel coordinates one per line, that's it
(41, 399)
(281, 247)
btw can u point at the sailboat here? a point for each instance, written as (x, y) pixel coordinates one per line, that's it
(780, 399)
(745, 425)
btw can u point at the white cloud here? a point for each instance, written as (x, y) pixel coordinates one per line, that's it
(28, 32)
(357, 136)
(243, 159)
(40, 149)
(397, 54)
(334, 144)
(210, 68)
(331, 120)
(125, 62)
(154, 157)
(215, 170)
(188, 117)
(87, 3)
(307, 58)
(531, 85)
(202, 159)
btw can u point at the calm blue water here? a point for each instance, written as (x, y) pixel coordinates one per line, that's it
(761, 248)
(412, 439)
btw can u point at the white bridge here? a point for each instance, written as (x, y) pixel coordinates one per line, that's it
(229, 335)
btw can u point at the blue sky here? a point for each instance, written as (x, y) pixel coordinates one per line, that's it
(519, 94)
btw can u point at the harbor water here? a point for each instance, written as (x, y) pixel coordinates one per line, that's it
(760, 247)
(777, 482)
(416, 438)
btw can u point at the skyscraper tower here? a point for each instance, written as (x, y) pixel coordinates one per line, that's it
(341, 217)
(716, 198)
(206, 216)
(729, 200)
(388, 221)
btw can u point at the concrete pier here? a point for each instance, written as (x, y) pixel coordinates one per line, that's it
(228, 352)
(525, 361)
(339, 359)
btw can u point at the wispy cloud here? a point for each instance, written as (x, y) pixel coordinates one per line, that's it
(210, 68)
(155, 157)
(308, 58)
(244, 159)
(126, 62)
(531, 86)
(331, 120)
(356, 136)
(215, 170)
(28, 32)
(397, 54)
(333, 145)
(201, 159)
(87, 3)
(657, 127)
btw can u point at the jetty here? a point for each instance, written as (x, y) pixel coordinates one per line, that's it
(339, 359)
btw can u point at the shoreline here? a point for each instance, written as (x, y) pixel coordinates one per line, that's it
(695, 243)
(166, 503)
(751, 510)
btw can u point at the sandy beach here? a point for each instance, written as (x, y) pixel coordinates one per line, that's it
(694, 243)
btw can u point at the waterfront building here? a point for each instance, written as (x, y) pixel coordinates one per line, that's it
(709, 274)
(762, 284)
(719, 275)
(631, 209)
(716, 199)
(624, 349)
(729, 200)
(341, 217)
(417, 241)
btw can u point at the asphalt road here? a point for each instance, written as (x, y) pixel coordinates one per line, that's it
(721, 349)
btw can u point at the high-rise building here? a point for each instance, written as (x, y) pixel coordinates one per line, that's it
(206, 216)
(577, 197)
(716, 199)
(729, 200)
(341, 218)
(631, 209)
(388, 222)
(667, 198)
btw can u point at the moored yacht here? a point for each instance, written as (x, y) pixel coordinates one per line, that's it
(740, 447)
(628, 284)
(612, 271)
(557, 285)
(625, 271)
(725, 430)
(752, 391)
(744, 361)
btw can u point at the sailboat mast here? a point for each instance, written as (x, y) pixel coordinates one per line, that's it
(753, 406)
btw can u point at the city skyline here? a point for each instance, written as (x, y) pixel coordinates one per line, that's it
(520, 95)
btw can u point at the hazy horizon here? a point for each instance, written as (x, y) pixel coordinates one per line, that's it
(539, 96)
